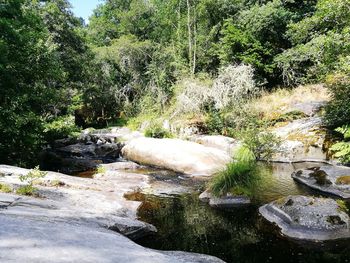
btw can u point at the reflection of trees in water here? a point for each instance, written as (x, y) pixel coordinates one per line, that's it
(185, 223)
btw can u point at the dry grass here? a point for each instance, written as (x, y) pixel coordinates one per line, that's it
(271, 105)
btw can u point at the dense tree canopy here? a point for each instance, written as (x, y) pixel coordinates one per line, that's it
(133, 54)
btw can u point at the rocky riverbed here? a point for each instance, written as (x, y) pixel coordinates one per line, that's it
(78, 220)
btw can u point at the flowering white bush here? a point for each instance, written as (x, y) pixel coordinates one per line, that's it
(233, 84)
(192, 97)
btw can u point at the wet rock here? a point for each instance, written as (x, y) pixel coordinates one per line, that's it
(166, 189)
(332, 180)
(308, 218)
(228, 201)
(177, 155)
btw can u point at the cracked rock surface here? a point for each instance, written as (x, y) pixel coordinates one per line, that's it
(308, 218)
(77, 220)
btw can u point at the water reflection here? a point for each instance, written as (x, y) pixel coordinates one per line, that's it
(236, 235)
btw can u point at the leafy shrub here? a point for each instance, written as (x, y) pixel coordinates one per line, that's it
(342, 149)
(338, 110)
(155, 130)
(262, 143)
(238, 177)
(60, 128)
(29, 179)
(5, 188)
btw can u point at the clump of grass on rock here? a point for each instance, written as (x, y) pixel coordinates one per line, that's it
(239, 177)
(30, 178)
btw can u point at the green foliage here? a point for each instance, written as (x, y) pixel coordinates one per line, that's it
(262, 143)
(29, 179)
(320, 43)
(342, 206)
(338, 110)
(238, 177)
(60, 128)
(4, 188)
(342, 149)
(26, 190)
(156, 130)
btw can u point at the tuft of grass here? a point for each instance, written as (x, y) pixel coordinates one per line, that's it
(239, 176)
(101, 170)
(4, 188)
(30, 178)
(274, 105)
(342, 207)
(26, 190)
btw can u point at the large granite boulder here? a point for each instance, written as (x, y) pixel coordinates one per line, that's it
(332, 180)
(176, 155)
(220, 142)
(308, 218)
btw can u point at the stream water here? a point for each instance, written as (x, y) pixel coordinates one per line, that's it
(234, 235)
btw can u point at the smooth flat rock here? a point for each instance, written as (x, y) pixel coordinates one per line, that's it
(77, 220)
(99, 201)
(176, 155)
(228, 201)
(310, 108)
(34, 241)
(308, 218)
(332, 180)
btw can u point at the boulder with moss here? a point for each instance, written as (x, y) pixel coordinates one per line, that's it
(302, 140)
(332, 180)
(308, 218)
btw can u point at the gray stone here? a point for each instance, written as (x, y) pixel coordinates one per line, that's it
(228, 201)
(73, 221)
(303, 140)
(332, 180)
(310, 108)
(33, 241)
(177, 155)
(220, 142)
(308, 218)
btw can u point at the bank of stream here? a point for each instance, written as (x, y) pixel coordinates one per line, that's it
(234, 235)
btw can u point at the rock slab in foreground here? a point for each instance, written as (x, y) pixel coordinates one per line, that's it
(28, 240)
(308, 218)
(177, 155)
(331, 180)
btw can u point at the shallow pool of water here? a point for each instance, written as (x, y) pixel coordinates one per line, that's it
(235, 235)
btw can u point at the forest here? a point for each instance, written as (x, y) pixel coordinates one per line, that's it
(146, 58)
(167, 131)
